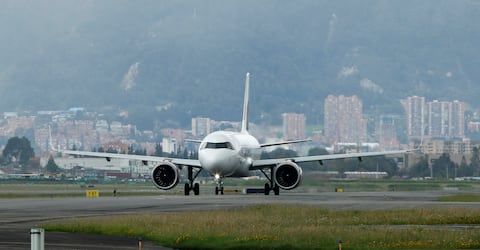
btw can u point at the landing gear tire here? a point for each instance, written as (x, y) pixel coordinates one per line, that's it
(267, 189)
(276, 190)
(196, 189)
(218, 190)
(187, 189)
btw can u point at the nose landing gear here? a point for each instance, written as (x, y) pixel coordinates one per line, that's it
(219, 187)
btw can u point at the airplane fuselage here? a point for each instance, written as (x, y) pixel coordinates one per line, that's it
(228, 154)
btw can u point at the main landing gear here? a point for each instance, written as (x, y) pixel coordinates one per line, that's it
(272, 186)
(190, 186)
(195, 188)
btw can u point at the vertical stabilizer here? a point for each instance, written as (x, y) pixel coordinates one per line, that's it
(245, 105)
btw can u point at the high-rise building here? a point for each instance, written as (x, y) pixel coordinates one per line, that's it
(344, 120)
(415, 109)
(446, 119)
(439, 117)
(201, 126)
(436, 119)
(458, 119)
(387, 134)
(293, 126)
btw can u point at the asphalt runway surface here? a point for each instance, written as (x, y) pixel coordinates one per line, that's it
(18, 216)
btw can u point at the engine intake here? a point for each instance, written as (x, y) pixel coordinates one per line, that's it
(287, 175)
(165, 176)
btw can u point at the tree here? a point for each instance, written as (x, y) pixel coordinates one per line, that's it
(379, 163)
(51, 166)
(475, 161)
(443, 167)
(158, 150)
(278, 153)
(193, 155)
(318, 151)
(316, 164)
(19, 150)
(464, 169)
(420, 169)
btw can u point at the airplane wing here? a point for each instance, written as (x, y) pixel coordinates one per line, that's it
(108, 156)
(144, 158)
(261, 164)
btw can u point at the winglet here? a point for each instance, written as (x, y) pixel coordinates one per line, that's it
(245, 105)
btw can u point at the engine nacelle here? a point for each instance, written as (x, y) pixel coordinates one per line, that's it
(166, 175)
(287, 175)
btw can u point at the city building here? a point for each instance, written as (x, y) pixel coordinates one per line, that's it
(344, 120)
(169, 145)
(439, 117)
(201, 126)
(434, 120)
(438, 147)
(474, 127)
(415, 111)
(458, 119)
(387, 133)
(293, 126)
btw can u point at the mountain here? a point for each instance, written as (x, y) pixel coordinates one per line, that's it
(168, 61)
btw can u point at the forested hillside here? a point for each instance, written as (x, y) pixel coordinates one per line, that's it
(166, 61)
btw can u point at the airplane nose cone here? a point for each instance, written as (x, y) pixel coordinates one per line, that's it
(216, 161)
(212, 160)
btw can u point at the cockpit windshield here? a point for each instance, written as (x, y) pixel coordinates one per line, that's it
(216, 145)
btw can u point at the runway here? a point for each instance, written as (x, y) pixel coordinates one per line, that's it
(17, 216)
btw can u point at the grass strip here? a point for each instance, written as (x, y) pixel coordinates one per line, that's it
(461, 198)
(20, 195)
(277, 226)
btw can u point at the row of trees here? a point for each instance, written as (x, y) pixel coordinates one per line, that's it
(444, 167)
(18, 152)
(369, 164)
(133, 150)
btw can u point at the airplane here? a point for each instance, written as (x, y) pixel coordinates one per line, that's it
(230, 154)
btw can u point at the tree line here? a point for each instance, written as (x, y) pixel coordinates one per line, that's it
(444, 167)
(18, 152)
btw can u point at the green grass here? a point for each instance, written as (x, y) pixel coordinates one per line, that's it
(292, 227)
(40, 189)
(14, 195)
(461, 198)
(28, 189)
(383, 185)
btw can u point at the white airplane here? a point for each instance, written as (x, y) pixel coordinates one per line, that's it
(230, 154)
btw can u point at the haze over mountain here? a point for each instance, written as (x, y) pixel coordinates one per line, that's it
(168, 61)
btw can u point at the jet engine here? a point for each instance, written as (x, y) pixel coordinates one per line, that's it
(287, 175)
(165, 176)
